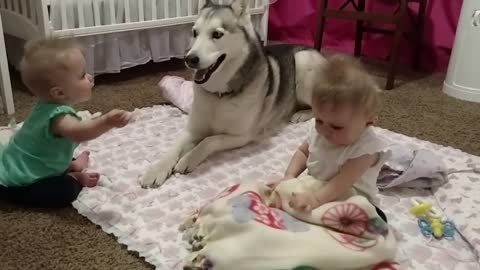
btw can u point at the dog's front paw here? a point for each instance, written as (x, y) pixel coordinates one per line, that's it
(186, 164)
(301, 116)
(156, 176)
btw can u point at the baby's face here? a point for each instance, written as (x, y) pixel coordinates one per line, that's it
(340, 124)
(75, 82)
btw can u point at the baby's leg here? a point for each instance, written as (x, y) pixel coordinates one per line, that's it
(52, 192)
(80, 163)
(85, 179)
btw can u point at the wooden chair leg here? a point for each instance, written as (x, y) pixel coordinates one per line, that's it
(392, 66)
(359, 30)
(419, 29)
(321, 23)
(396, 45)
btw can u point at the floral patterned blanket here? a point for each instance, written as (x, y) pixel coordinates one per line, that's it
(237, 230)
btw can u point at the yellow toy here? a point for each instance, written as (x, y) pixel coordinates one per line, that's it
(437, 227)
(423, 209)
(431, 222)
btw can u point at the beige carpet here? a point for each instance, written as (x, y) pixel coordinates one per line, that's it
(62, 239)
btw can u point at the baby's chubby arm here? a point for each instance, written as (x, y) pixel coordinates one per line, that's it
(298, 163)
(342, 183)
(71, 127)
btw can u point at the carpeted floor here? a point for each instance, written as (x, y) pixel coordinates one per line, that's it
(62, 239)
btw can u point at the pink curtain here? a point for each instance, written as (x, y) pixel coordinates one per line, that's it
(295, 21)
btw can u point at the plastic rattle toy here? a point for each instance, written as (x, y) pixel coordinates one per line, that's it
(425, 228)
(437, 227)
(423, 209)
(430, 221)
(420, 209)
(449, 230)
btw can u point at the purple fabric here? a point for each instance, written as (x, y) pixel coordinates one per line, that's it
(295, 21)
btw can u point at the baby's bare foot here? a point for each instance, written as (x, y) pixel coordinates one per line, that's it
(80, 163)
(86, 179)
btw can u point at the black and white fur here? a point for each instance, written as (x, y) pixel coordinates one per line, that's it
(242, 89)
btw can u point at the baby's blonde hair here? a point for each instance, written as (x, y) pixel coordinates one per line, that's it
(42, 60)
(344, 80)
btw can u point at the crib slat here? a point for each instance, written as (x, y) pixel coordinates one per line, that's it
(33, 12)
(120, 11)
(141, 11)
(24, 8)
(63, 12)
(126, 6)
(258, 3)
(178, 8)
(81, 16)
(42, 17)
(190, 7)
(9, 4)
(154, 9)
(166, 8)
(111, 6)
(2, 4)
(16, 6)
(96, 12)
(200, 5)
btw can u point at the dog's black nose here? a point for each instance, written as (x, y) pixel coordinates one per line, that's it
(192, 60)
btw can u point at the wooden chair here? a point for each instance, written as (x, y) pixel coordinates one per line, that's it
(362, 17)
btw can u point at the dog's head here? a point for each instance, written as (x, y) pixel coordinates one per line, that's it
(219, 39)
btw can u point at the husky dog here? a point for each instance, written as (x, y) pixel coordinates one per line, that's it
(242, 89)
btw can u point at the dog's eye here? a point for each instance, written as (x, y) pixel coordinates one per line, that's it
(194, 33)
(217, 35)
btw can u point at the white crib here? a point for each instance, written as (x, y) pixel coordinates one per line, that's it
(117, 34)
(29, 18)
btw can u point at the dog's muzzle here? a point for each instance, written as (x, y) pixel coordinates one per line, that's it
(203, 75)
(192, 61)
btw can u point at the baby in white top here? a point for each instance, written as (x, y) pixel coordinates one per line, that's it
(343, 149)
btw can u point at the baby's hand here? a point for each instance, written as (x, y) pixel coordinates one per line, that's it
(118, 118)
(304, 201)
(274, 182)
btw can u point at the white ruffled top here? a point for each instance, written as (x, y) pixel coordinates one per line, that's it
(326, 159)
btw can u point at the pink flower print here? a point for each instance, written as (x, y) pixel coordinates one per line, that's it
(352, 242)
(261, 209)
(249, 206)
(348, 218)
(278, 222)
(265, 219)
(263, 214)
(228, 191)
(350, 224)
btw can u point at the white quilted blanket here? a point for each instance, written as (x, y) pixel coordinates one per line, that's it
(147, 220)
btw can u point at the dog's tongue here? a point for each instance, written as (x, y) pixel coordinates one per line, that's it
(200, 74)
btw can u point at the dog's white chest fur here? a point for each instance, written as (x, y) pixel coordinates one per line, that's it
(220, 114)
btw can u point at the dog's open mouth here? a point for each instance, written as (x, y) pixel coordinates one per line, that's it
(202, 75)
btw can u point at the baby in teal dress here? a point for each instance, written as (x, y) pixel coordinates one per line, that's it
(36, 167)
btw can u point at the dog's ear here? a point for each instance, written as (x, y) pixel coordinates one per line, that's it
(208, 3)
(240, 7)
